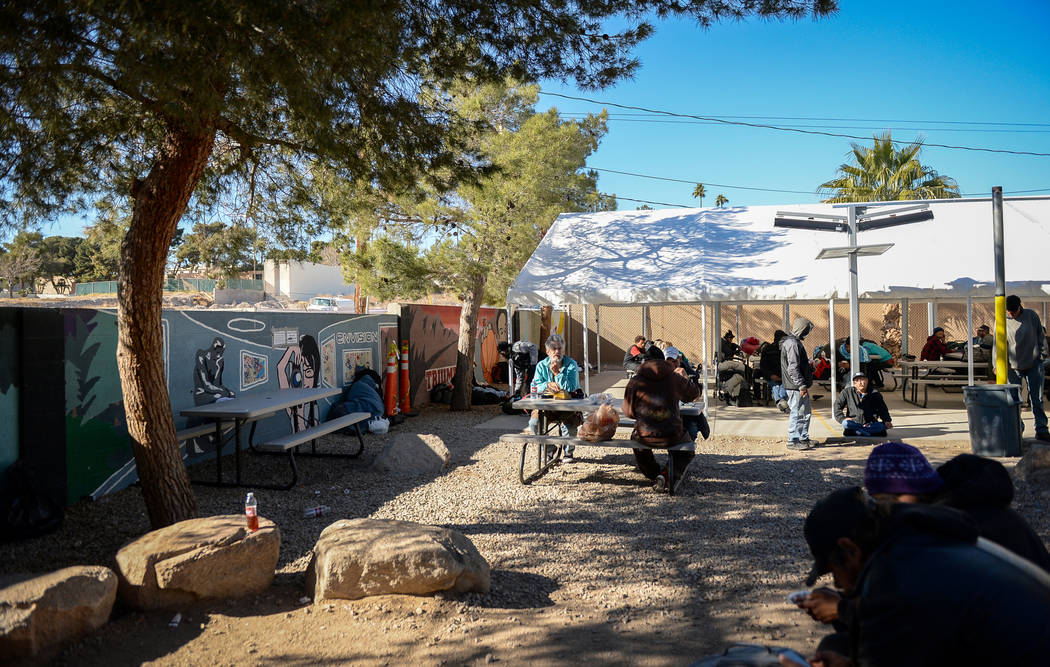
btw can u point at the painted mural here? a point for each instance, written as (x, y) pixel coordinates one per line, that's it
(434, 333)
(268, 351)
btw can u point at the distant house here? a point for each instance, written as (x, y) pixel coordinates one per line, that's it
(301, 281)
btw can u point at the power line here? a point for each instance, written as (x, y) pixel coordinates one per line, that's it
(619, 119)
(844, 120)
(787, 129)
(658, 203)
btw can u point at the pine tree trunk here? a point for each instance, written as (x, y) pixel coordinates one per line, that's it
(159, 204)
(360, 298)
(468, 333)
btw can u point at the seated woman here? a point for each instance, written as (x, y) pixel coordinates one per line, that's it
(553, 374)
(651, 399)
(635, 356)
(862, 410)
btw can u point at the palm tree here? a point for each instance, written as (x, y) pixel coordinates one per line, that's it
(884, 173)
(699, 192)
(721, 200)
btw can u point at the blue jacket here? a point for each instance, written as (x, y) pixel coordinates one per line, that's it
(568, 378)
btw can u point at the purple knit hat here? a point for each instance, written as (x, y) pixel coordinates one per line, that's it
(896, 467)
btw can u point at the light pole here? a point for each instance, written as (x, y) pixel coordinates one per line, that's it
(855, 220)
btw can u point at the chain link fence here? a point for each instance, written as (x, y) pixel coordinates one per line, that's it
(680, 325)
(175, 285)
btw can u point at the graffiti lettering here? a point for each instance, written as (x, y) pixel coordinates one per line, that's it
(436, 376)
(347, 337)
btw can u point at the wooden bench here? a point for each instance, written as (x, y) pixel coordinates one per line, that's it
(550, 448)
(291, 442)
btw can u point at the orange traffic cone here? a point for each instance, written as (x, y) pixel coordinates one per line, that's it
(390, 382)
(406, 401)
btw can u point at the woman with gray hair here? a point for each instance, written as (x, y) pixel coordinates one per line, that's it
(555, 373)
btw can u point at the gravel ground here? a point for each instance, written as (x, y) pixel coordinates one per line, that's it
(588, 563)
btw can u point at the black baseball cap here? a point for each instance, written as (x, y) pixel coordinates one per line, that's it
(839, 514)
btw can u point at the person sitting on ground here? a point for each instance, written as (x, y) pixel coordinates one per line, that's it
(935, 347)
(769, 368)
(651, 398)
(553, 374)
(727, 349)
(635, 356)
(926, 591)
(861, 409)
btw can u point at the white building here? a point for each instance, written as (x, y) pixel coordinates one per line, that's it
(302, 281)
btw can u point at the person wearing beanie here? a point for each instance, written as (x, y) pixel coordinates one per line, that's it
(897, 471)
(920, 588)
(861, 409)
(935, 347)
(727, 349)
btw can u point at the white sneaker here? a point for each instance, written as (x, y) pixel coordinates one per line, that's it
(567, 457)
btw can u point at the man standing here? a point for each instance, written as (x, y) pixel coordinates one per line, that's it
(1026, 348)
(798, 378)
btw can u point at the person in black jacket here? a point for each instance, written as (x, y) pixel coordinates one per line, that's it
(769, 368)
(862, 410)
(926, 591)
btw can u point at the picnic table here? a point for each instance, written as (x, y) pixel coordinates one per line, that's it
(912, 378)
(255, 407)
(549, 448)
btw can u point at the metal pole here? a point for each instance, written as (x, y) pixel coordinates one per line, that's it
(787, 317)
(832, 350)
(904, 326)
(586, 356)
(598, 333)
(645, 322)
(718, 330)
(703, 350)
(1000, 286)
(931, 317)
(510, 341)
(854, 300)
(969, 339)
(739, 336)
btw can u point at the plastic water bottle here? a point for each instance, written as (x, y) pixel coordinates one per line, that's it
(320, 510)
(251, 512)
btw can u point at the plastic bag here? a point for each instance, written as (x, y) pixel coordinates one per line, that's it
(599, 425)
(379, 425)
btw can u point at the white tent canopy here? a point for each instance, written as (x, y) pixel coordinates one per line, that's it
(737, 255)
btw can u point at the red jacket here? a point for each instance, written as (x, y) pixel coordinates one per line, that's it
(933, 350)
(651, 399)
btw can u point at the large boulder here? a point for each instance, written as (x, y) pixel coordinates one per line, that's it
(213, 557)
(413, 454)
(356, 558)
(1035, 464)
(40, 613)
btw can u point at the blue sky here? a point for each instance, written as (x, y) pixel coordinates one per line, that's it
(894, 63)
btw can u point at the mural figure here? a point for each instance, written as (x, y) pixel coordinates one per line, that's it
(207, 375)
(298, 369)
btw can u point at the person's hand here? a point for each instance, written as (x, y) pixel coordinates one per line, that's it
(788, 662)
(889, 425)
(822, 605)
(553, 387)
(681, 371)
(804, 391)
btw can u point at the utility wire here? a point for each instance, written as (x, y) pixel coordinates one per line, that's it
(658, 203)
(786, 129)
(844, 120)
(653, 121)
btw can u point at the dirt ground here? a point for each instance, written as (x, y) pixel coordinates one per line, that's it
(588, 563)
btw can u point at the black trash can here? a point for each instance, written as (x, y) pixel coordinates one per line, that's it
(994, 413)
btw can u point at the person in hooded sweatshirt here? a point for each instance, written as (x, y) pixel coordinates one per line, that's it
(798, 378)
(651, 399)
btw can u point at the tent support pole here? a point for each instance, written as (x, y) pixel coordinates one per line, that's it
(645, 322)
(969, 340)
(510, 341)
(703, 350)
(787, 317)
(904, 326)
(718, 328)
(598, 333)
(832, 350)
(931, 317)
(586, 356)
(738, 334)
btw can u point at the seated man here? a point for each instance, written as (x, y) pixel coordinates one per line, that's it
(925, 591)
(553, 374)
(984, 338)
(693, 425)
(727, 349)
(935, 347)
(635, 356)
(861, 410)
(651, 399)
